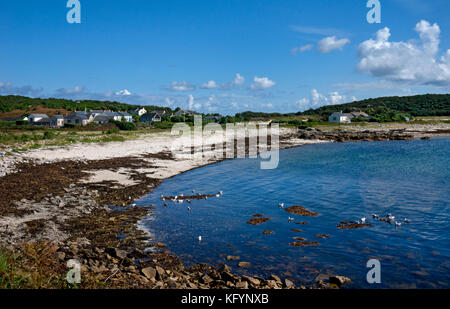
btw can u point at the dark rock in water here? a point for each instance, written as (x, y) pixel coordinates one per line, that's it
(296, 230)
(301, 211)
(244, 264)
(267, 232)
(425, 138)
(304, 223)
(351, 226)
(257, 215)
(232, 258)
(257, 221)
(339, 280)
(299, 238)
(322, 236)
(304, 243)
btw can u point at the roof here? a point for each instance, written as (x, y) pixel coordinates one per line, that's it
(125, 114)
(102, 118)
(82, 117)
(38, 115)
(58, 116)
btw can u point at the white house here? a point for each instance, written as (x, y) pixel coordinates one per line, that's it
(139, 111)
(340, 117)
(33, 118)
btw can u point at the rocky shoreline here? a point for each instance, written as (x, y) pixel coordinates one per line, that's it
(95, 223)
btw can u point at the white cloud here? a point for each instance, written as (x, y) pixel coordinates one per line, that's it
(239, 80)
(317, 99)
(331, 43)
(410, 62)
(181, 86)
(262, 83)
(209, 85)
(191, 103)
(9, 89)
(123, 92)
(301, 49)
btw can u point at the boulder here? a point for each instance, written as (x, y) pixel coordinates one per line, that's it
(339, 280)
(244, 264)
(149, 272)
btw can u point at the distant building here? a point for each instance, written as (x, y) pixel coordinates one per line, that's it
(79, 118)
(340, 118)
(360, 115)
(126, 116)
(182, 113)
(151, 117)
(139, 111)
(33, 118)
(212, 118)
(101, 119)
(57, 121)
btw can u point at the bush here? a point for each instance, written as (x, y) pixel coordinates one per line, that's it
(49, 135)
(69, 125)
(125, 126)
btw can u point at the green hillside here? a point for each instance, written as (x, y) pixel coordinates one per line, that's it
(419, 105)
(10, 103)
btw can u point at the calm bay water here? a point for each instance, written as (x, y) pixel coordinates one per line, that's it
(410, 179)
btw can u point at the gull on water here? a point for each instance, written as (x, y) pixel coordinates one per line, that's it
(189, 208)
(375, 216)
(199, 238)
(363, 220)
(398, 223)
(281, 205)
(290, 219)
(407, 221)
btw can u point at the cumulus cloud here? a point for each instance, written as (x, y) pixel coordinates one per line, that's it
(123, 92)
(317, 99)
(191, 103)
(301, 49)
(262, 83)
(71, 91)
(9, 89)
(413, 62)
(331, 43)
(181, 86)
(239, 80)
(209, 85)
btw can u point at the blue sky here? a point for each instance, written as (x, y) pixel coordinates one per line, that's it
(225, 56)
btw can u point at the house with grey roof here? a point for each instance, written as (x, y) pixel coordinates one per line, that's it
(33, 118)
(57, 121)
(149, 118)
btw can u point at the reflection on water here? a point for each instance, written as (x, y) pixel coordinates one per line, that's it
(409, 179)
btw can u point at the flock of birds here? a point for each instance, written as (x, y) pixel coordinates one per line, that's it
(179, 199)
(389, 218)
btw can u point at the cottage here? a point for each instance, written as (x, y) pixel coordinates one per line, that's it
(340, 118)
(139, 111)
(57, 121)
(149, 118)
(126, 116)
(33, 118)
(79, 118)
(182, 113)
(101, 119)
(360, 115)
(45, 122)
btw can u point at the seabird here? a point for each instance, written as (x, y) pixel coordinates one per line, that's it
(290, 219)
(193, 191)
(281, 205)
(375, 216)
(188, 201)
(199, 238)
(398, 223)
(407, 221)
(189, 208)
(363, 220)
(221, 192)
(133, 205)
(217, 195)
(165, 204)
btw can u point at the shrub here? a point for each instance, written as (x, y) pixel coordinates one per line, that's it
(125, 126)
